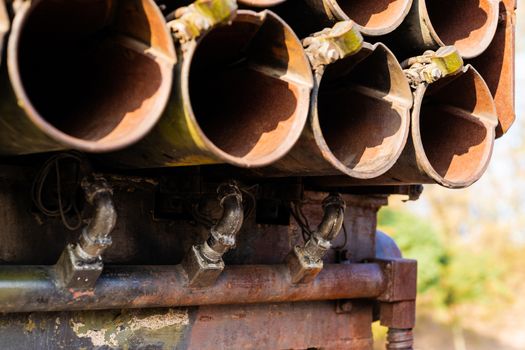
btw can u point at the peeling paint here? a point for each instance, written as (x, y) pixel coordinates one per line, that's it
(30, 325)
(120, 330)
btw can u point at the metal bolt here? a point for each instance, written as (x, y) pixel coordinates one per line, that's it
(436, 73)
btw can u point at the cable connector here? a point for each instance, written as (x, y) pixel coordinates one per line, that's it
(333, 44)
(192, 21)
(432, 66)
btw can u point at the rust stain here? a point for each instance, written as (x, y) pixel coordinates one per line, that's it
(81, 293)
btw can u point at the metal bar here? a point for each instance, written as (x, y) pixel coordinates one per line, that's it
(33, 288)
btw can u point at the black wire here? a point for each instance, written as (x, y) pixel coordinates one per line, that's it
(303, 223)
(342, 246)
(64, 207)
(301, 220)
(249, 206)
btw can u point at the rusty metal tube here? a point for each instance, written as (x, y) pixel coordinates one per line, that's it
(496, 65)
(359, 119)
(32, 288)
(5, 24)
(86, 75)
(468, 24)
(452, 133)
(241, 97)
(374, 17)
(260, 3)
(452, 136)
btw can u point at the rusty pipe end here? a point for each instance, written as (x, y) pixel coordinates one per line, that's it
(497, 67)
(469, 25)
(361, 112)
(453, 129)
(247, 87)
(103, 74)
(374, 18)
(260, 3)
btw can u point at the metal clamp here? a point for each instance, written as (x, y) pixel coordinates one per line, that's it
(192, 21)
(80, 264)
(306, 262)
(432, 66)
(333, 44)
(204, 263)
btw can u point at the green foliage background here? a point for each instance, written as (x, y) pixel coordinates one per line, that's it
(449, 274)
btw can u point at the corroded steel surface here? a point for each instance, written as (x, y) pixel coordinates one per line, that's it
(143, 234)
(141, 238)
(234, 87)
(167, 286)
(265, 327)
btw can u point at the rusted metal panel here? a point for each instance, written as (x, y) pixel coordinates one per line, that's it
(271, 326)
(141, 238)
(400, 314)
(282, 326)
(113, 329)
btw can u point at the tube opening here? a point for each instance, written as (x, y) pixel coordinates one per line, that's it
(363, 111)
(249, 87)
(457, 123)
(96, 81)
(376, 14)
(468, 24)
(261, 3)
(495, 68)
